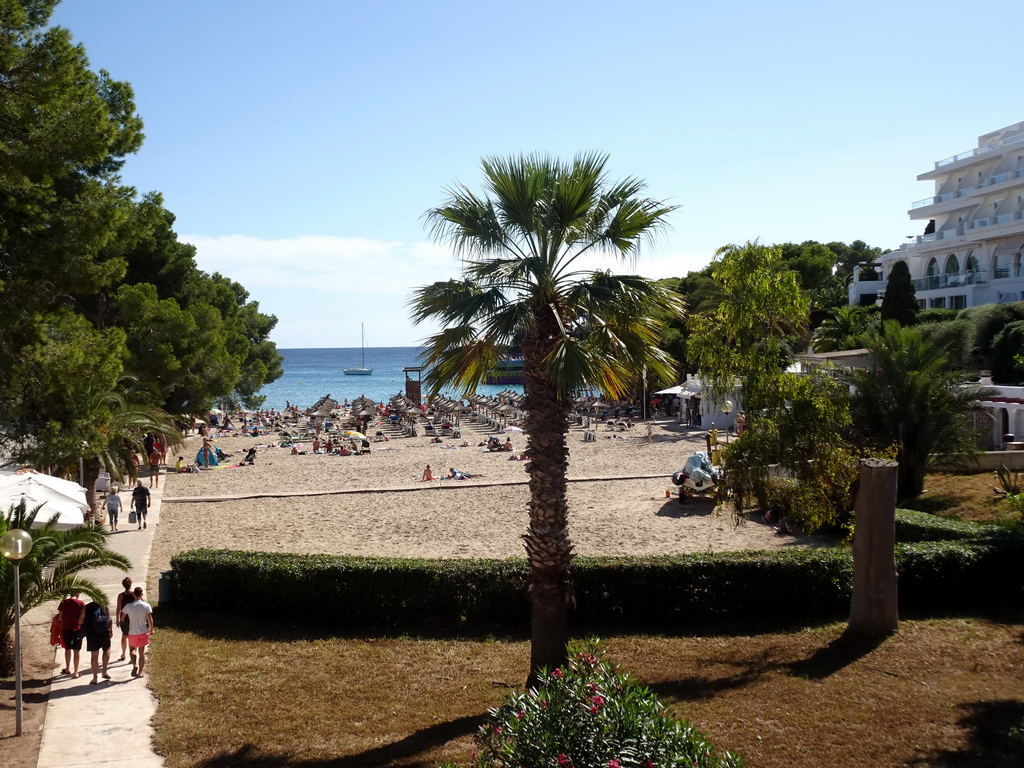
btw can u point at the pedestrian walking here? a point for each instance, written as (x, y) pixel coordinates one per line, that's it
(113, 502)
(98, 631)
(140, 503)
(140, 628)
(72, 613)
(154, 459)
(123, 599)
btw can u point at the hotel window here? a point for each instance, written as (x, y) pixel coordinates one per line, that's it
(958, 302)
(939, 303)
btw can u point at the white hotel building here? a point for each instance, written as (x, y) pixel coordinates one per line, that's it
(970, 252)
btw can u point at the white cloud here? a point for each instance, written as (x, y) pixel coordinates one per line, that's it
(322, 288)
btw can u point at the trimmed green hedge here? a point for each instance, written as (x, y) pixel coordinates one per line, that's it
(914, 526)
(643, 593)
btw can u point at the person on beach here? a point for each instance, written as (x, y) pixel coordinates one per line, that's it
(98, 631)
(457, 474)
(428, 474)
(72, 613)
(140, 503)
(650, 432)
(140, 627)
(123, 599)
(113, 502)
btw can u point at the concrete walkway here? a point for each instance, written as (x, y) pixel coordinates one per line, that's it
(107, 724)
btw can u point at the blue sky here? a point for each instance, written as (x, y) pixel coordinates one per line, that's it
(299, 143)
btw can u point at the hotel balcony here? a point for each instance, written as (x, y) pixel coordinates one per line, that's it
(951, 280)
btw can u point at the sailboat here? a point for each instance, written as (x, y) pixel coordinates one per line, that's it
(362, 370)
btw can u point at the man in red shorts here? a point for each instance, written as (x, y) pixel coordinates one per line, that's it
(140, 626)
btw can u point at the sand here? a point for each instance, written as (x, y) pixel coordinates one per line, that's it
(376, 504)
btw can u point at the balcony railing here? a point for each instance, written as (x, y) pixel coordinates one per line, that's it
(981, 150)
(950, 280)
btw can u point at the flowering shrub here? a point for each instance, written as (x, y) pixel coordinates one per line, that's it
(590, 715)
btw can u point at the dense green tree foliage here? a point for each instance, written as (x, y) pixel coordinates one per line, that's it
(94, 284)
(578, 329)
(748, 336)
(900, 300)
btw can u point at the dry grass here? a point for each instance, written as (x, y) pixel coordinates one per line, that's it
(962, 497)
(938, 693)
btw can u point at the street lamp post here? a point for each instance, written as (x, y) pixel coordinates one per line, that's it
(727, 407)
(15, 545)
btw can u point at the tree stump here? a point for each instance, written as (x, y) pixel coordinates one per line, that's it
(874, 610)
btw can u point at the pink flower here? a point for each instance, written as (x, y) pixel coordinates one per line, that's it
(543, 704)
(648, 763)
(498, 729)
(563, 759)
(598, 700)
(557, 672)
(520, 714)
(613, 764)
(594, 710)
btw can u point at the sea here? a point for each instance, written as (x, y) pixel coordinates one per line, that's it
(309, 374)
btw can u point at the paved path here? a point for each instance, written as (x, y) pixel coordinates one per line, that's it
(106, 724)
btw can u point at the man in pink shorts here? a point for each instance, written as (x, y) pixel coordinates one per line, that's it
(140, 626)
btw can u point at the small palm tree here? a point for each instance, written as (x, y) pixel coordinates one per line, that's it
(844, 328)
(51, 570)
(908, 398)
(520, 246)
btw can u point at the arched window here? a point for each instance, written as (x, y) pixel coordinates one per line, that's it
(1006, 260)
(933, 273)
(971, 267)
(952, 265)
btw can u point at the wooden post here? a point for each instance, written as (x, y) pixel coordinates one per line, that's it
(873, 609)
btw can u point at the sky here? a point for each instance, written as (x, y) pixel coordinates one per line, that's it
(299, 144)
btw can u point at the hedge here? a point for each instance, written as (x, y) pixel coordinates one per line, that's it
(424, 596)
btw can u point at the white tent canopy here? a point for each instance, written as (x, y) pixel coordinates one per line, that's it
(59, 497)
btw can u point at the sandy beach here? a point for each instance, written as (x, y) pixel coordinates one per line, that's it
(376, 504)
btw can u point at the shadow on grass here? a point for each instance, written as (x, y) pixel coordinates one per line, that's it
(697, 688)
(400, 753)
(992, 741)
(933, 504)
(213, 626)
(840, 653)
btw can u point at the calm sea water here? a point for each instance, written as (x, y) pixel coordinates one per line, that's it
(309, 374)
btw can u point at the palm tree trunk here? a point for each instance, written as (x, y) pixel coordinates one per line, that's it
(548, 545)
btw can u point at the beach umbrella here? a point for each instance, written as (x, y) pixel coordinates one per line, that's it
(31, 480)
(353, 433)
(69, 506)
(512, 429)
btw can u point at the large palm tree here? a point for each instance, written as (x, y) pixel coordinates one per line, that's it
(520, 245)
(51, 570)
(909, 399)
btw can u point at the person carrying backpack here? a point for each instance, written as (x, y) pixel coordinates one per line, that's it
(98, 631)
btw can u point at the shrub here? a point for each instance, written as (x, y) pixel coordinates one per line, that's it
(913, 526)
(590, 714)
(943, 565)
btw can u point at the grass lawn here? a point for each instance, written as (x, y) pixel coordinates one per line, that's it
(939, 693)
